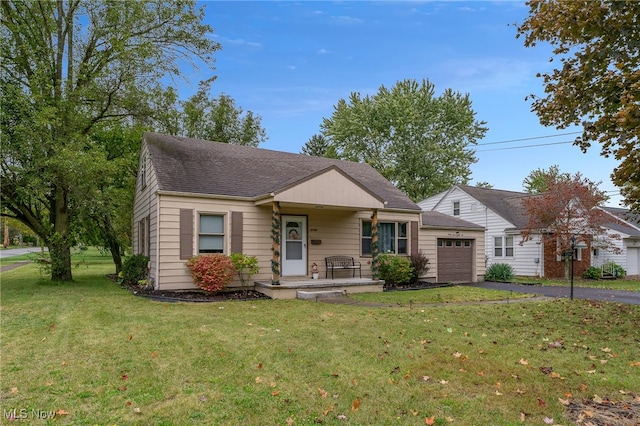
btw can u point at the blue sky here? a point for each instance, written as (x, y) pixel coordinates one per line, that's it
(290, 62)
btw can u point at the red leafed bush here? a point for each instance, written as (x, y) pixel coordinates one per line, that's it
(211, 272)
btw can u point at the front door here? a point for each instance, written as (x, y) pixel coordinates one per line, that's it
(294, 247)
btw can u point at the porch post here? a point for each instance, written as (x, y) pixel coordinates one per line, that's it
(276, 227)
(374, 244)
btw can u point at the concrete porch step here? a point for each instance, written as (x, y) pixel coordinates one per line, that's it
(313, 295)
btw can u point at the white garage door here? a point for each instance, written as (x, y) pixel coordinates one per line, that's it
(633, 261)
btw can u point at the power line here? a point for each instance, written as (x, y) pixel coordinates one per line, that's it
(529, 139)
(524, 146)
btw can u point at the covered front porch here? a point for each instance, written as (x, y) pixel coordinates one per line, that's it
(312, 289)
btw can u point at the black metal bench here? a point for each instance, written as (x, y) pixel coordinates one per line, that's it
(341, 263)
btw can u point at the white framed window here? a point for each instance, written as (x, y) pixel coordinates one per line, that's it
(210, 233)
(392, 238)
(143, 171)
(508, 246)
(503, 246)
(497, 246)
(456, 208)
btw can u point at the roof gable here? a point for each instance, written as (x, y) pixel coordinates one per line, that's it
(212, 168)
(320, 188)
(507, 204)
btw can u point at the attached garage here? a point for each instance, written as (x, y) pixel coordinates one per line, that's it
(455, 260)
(455, 248)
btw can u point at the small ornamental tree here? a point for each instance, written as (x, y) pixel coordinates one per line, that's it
(211, 272)
(569, 208)
(246, 266)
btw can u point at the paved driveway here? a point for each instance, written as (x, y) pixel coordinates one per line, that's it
(629, 297)
(17, 251)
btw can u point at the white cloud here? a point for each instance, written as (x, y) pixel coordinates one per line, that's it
(322, 52)
(237, 41)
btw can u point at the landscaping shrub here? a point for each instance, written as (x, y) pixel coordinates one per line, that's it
(134, 269)
(499, 272)
(419, 265)
(394, 269)
(211, 272)
(616, 270)
(592, 273)
(246, 266)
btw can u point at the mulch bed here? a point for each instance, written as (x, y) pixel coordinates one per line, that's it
(605, 412)
(238, 295)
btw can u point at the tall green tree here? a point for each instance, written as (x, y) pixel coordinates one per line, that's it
(104, 205)
(68, 66)
(596, 84)
(219, 119)
(318, 146)
(537, 181)
(420, 142)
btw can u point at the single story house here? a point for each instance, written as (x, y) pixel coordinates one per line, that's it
(289, 210)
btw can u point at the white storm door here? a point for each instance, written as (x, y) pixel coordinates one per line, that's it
(294, 245)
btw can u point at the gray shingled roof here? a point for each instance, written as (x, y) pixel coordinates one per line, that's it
(213, 168)
(433, 219)
(507, 204)
(626, 215)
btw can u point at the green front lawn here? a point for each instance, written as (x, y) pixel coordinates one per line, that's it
(96, 354)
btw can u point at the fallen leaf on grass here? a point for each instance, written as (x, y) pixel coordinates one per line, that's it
(154, 354)
(634, 364)
(563, 401)
(541, 403)
(275, 393)
(259, 379)
(62, 412)
(323, 392)
(607, 350)
(429, 420)
(355, 405)
(443, 382)
(597, 399)
(548, 420)
(523, 361)
(554, 375)
(328, 410)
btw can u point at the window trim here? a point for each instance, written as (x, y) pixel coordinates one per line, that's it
(397, 237)
(507, 247)
(455, 207)
(143, 171)
(224, 233)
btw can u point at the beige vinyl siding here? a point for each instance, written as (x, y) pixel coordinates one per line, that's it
(145, 204)
(337, 230)
(173, 272)
(320, 190)
(428, 244)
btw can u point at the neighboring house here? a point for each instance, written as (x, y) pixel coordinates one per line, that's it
(289, 210)
(503, 217)
(627, 226)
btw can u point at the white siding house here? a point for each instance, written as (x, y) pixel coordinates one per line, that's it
(500, 213)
